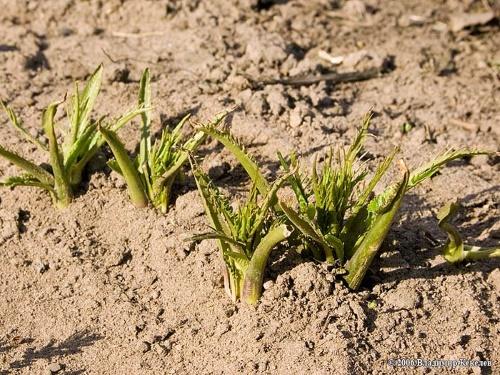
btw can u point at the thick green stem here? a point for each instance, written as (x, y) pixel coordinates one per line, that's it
(254, 275)
(135, 187)
(455, 251)
(64, 194)
(477, 253)
(361, 260)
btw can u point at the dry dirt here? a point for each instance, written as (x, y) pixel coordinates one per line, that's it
(103, 288)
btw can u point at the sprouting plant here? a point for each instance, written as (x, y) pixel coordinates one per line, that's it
(81, 142)
(245, 236)
(150, 175)
(455, 251)
(337, 214)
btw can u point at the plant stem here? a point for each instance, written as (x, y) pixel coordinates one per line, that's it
(135, 187)
(254, 275)
(64, 195)
(455, 251)
(364, 254)
(477, 253)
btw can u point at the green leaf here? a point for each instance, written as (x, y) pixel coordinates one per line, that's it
(243, 158)
(384, 214)
(145, 102)
(216, 205)
(431, 168)
(379, 173)
(307, 228)
(180, 156)
(26, 180)
(83, 103)
(455, 251)
(61, 181)
(80, 146)
(266, 204)
(130, 174)
(85, 151)
(358, 142)
(38, 172)
(254, 274)
(18, 125)
(219, 236)
(295, 180)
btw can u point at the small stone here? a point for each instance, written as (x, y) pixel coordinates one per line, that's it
(268, 284)
(54, 368)
(295, 118)
(155, 294)
(465, 20)
(229, 311)
(329, 277)
(118, 180)
(144, 347)
(41, 266)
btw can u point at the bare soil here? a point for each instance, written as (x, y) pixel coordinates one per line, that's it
(103, 288)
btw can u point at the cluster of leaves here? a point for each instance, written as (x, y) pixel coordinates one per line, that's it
(81, 142)
(151, 174)
(335, 214)
(340, 219)
(245, 236)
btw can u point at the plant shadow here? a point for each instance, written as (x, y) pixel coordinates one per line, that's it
(72, 345)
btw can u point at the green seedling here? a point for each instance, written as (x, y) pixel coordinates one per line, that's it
(338, 215)
(245, 236)
(151, 174)
(455, 251)
(81, 142)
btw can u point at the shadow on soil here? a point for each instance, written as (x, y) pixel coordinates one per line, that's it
(72, 345)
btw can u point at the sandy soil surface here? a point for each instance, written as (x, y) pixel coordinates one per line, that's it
(103, 288)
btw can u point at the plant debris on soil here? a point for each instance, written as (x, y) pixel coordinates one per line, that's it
(106, 288)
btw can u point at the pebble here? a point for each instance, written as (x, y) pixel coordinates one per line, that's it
(295, 117)
(41, 266)
(144, 347)
(54, 368)
(268, 285)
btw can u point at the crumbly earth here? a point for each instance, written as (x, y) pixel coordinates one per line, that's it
(104, 288)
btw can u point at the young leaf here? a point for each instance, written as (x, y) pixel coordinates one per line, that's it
(145, 102)
(18, 125)
(308, 229)
(134, 184)
(61, 182)
(31, 168)
(26, 180)
(384, 209)
(83, 103)
(429, 169)
(455, 251)
(238, 151)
